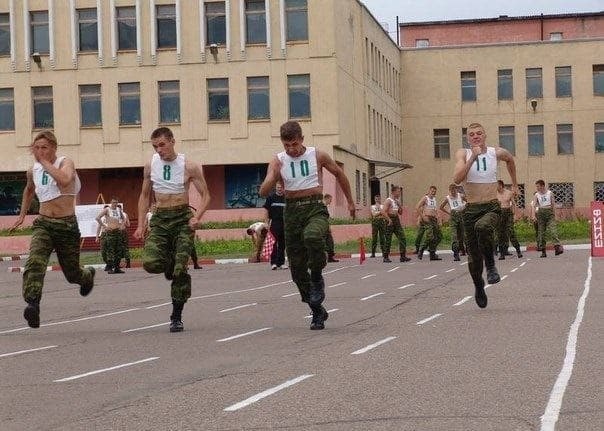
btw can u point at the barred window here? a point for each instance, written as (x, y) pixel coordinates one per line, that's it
(564, 194)
(599, 191)
(357, 183)
(521, 198)
(364, 188)
(441, 144)
(507, 139)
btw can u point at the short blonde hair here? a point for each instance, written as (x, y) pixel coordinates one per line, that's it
(48, 135)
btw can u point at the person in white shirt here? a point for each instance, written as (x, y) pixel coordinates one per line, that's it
(456, 202)
(506, 233)
(427, 210)
(391, 211)
(544, 203)
(378, 225)
(257, 231)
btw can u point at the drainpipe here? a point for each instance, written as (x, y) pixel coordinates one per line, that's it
(541, 27)
(398, 42)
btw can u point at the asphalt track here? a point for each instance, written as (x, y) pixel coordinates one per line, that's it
(405, 348)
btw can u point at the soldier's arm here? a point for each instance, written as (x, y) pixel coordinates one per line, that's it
(28, 196)
(325, 161)
(199, 182)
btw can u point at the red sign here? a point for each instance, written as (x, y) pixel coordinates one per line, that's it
(597, 229)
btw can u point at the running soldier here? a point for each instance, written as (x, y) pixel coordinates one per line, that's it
(426, 208)
(112, 220)
(544, 203)
(391, 211)
(456, 202)
(378, 225)
(506, 233)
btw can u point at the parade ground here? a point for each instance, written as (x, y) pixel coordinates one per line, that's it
(405, 348)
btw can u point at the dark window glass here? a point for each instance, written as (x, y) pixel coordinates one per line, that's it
(255, 21)
(535, 141)
(166, 26)
(218, 99)
(4, 34)
(563, 82)
(464, 138)
(505, 85)
(130, 103)
(441, 144)
(87, 30)
(258, 98)
(534, 83)
(43, 110)
(599, 137)
(90, 105)
(216, 23)
(126, 28)
(169, 102)
(599, 191)
(298, 87)
(565, 138)
(7, 109)
(507, 139)
(468, 86)
(598, 78)
(296, 20)
(39, 32)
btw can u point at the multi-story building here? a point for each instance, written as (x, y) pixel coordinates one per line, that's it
(535, 83)
(223, 75)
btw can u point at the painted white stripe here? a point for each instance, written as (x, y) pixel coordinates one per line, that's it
(145, 327)
(522, 264)
(238, 307)
(371, 296)
(329, 311)
(393, 269)
(514, 270)
(372, 346)
(552, 411)
(463, 301)
(368, 276)
(504, 277)
(129, 364)
(338, 284)
(406, 286)
(20, 352)
(426, 320)
(290, 294)
(243, 335)
(450, 270)
(431, 277)
(158, 305)
(463, 263)
(266, 393)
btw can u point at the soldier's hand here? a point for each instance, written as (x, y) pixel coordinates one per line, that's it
(16, 225)
(138, 233)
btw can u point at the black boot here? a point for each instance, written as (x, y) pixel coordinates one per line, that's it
(32, 313)
(331, 258)
(107, 267)
(116, 269)
(127, 262)
(456, 256)
(501, 253)
(86, 287)
(518, 252)
(386, 259)
(372, 252)
(434, 256)
(420, 254)
(558, 249)
(319, 316)
(480, 296)
(493, 275)
(404, 258)
(196, 265)
(176, 317)
(543, 253)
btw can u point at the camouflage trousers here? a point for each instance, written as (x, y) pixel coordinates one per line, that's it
(378, 233)
(546, 223)
(396, 229)
(456, 225)
(421, 230)
(168, 247)
(306, 226)
(63, 236)
(433, 234)
(480, 220)
(506, 232)
(114, 246)
(125, 244)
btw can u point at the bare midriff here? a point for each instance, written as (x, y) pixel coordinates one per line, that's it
(478, 192)
(63, 206)
(168, 200)
(289, 194)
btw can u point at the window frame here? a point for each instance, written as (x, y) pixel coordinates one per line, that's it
(257, 87)
(564, 132)
(294, 12)
(124, 93)
(505, 84)
(5, 27)
(468, 83)
(442, 150)
(599, 133)
(564, 81)
(531, 79)
(536, 127)
(165, 95)
(508, 133)
(86, 94)
(7, 97)
(598, 79)
(123, 22)
(217, 89)
(250, 25)
(298, 88)
(35, 26)
(38, 100)
(166, 23)
(216, 31)
(87, 22)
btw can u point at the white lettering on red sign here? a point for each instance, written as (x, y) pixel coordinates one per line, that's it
(597, 228)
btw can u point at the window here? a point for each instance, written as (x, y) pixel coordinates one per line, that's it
(556, 35)
(535, 141)
(505, 87)
(563, 82)
(130, 103)
(126, 28)
(599, 137)
(468, 86)
(166, 26)
(7, 109)
(296, 20)
(216, 23)
(87, 30)
(599, 191)
(43, 112)
(422, 43)
(218, 99)
(564, 194)
(90, 105)
(507, 139)
(39, 32)
(255, 21)
(534, 83)
(464, 138)
(4, 34)
(169, 102)
(357, 185)
(364, 185)
(441, 144)
(598, 77)
(565, 138)
(298, 91)
(258, 106)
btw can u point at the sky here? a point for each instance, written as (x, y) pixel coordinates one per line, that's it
(386, 11)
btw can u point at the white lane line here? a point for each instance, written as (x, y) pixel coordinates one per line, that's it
(372, 346)
(463, 301)
(406, 286)
(129, 364)
(431, 277)
(20, 352)
(522, 264)
(393, 269)
(243, 335)
(151, 307)
(450, 270)
(338, 284)
(514, 270)
(338, 269)
(486, 286)
(367, 276)
(329, 311)
(371, 296)
(290, 294)
(145, 327)
(504, 277)
(552, 411)
(266, 393)
(238, 307)
(463, 263)
(427, 319)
